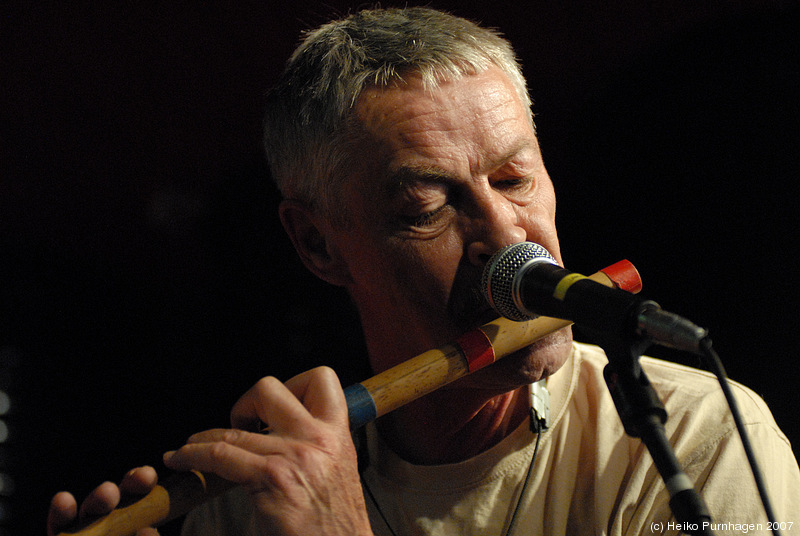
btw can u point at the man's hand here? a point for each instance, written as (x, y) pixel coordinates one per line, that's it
(302, 476)
(64, 512)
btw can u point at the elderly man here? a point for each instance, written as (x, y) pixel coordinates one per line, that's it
(403, 144)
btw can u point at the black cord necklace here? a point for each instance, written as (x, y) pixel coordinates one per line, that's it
(539, 414)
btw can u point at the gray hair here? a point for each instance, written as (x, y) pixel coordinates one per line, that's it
(307, 130)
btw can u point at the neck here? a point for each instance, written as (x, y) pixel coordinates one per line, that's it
(450, 426)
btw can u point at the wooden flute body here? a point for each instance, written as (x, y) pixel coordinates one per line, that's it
(366, 401)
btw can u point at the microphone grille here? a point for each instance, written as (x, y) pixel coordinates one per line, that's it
(500, 273)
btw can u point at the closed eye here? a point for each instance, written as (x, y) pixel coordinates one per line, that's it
(429, 218)
(518, 189)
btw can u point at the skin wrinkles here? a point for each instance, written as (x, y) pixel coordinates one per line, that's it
(419, 189)
(430, 138)
(453, 174)
(456, 165)
(420, 127)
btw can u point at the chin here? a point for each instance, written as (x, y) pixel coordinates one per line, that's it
(523, 367)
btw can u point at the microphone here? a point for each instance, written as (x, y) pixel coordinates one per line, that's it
(523, 281)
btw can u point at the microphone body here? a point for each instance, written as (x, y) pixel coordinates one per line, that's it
(522, 281)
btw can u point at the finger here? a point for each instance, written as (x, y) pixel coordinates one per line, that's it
(62, 513)
(101, 501)
(147, 532)
(225, 460)
(258, 443)
(271, 402)
(320, 391)
(316, 393)
(139, 481)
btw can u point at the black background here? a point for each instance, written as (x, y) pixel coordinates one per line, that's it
(145, 282)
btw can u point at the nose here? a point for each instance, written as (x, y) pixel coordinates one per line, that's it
(496, 225)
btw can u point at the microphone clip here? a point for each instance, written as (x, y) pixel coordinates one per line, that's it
(540, 406)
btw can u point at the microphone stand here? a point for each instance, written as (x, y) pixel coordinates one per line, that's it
(643, 416)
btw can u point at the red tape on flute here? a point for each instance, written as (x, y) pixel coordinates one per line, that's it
(625, 276)
(477, 349)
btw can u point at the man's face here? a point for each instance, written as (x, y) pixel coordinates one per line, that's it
(441, 180)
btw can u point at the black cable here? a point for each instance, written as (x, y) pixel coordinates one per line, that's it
(719, 370)
(537, 427)
(377, 505)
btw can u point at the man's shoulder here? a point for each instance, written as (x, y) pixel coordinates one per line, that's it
(700, 426)
(688, 393)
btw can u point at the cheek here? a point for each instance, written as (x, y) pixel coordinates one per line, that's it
(426, 269)
(400, 274)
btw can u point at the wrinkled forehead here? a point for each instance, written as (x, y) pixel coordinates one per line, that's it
(481, 112)
(460, 129)
(420, 87)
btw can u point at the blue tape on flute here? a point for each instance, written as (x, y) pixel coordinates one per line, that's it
(360, 406)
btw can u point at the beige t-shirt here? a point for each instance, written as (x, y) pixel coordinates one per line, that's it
(588, 476)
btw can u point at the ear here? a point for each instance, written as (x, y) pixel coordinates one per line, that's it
(311, 235)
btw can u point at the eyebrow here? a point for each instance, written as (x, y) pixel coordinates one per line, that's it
(526, 144)
(406, 177)
(401, 177)
(419, 174)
